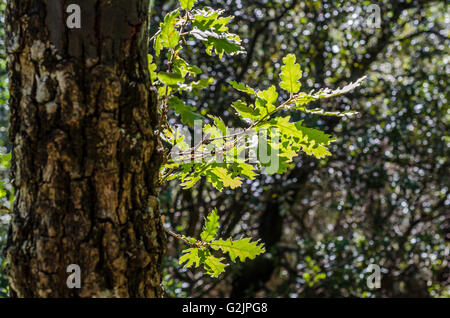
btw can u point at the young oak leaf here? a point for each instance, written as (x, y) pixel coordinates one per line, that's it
(187, 114)
(182, 67)
(170, 79)
(211, 227)
(241, 249)
(190, 257)
(214, 266)
(221, 43)
(315, 134)
(291, 74)
(245, 111)
(2, 190)
(270, 95)
(5, 160)
(227, 178)
(168, 37)
(187, 4)
(242, 87)
(209, 18)
(219, 124)
(152, 68)
(202, 83)
(200, 256)
(212, 30)
(247, 170)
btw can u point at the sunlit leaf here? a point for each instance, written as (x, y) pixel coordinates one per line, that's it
(187, 4)
(241, 249)
(291, 74)
(211, 226)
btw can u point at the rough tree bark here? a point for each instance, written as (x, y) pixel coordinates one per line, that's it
(85, 157)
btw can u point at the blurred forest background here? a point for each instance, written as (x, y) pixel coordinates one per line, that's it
(381, 198)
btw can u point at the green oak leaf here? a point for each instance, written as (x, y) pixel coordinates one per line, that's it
(152, 68)
(211, 227)
(201, 256)
(202, 83)
(291, 74)
(187, 4)
(188, 116)
(209, 18)
(316, 141)
(168, 37)
(242, 88)
(5, 160)
(2, 190)
(219, 124)
(170, 79)
(270, 95)
(245, 111)
(190, 257)
(214, 266)
(227, 178)
(221, 43)
(241, 249)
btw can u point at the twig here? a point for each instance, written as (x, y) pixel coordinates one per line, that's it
(178, 236)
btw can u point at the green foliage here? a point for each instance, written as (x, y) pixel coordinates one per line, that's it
(211, 227)
(243, 88)
(211, 29)
(6, 199)
(187, 4)
(5, 163)
(152, 68)
(221, 43)
(244, 111)
(5, 160)
(292, 137)
(394, 154)
(2, 190)
(225, 157)
(241, 249)
(202, 256)
(200, 251)
(188, 116)
(389, 163)
(168, 36)
(170, 79)
(290, 75)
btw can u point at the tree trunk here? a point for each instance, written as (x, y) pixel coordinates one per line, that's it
(85, 157)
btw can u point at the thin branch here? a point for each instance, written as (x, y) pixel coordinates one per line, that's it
(178, 236)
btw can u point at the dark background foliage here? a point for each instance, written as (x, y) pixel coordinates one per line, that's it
(382, 198)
